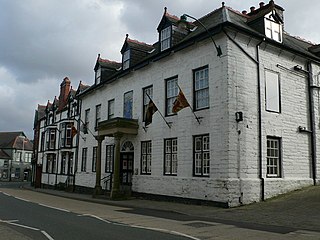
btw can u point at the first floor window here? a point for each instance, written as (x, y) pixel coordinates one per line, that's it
(109, 158)
(273, 157)
(201, 88)
(172, 90)
(94, 159)
(98, 115)
(84, 160)
(146, 157)
(201, 155)
(147, 95)
(127, 104)
(111, 109)
(272, 91)
(171, 160)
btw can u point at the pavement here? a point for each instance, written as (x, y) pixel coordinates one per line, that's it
(297, 212)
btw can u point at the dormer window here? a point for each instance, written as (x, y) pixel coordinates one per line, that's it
(126, 60)
(273, 29)
(98, 75)
(165, 38)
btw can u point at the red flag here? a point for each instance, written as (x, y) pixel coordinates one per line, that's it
(151, 109)
(180, 102)
(73, 131)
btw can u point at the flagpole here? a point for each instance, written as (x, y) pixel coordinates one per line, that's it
(197, 118)
(159, 112)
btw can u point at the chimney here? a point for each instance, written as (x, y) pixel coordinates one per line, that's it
(252, 8)
(64, 91)
(244, 12)
(261, 4)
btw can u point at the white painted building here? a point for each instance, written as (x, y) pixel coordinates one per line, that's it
(253, 88)
(56, 139)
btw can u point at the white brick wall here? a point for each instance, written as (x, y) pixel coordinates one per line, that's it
(234, 168)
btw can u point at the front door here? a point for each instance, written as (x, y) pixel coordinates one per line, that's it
(126, 168)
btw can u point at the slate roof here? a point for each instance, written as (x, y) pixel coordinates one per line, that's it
(215, 22)
(13, 140)
(139, 45)
(3, 155)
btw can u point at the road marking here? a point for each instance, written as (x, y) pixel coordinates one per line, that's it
(22, 199)
(47, 235)
(6, 194)
(11, 222)
(93, 216)
(23, 226)
(165, 231)
(60, 209)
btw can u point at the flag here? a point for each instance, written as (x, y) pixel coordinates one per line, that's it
(151, 109)
(73, 131)
(180, 102)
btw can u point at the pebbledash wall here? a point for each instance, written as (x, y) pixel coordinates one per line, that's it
(234, 157)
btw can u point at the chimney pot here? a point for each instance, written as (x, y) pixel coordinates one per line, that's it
(244, 12)
(252, 8)
(261, 4)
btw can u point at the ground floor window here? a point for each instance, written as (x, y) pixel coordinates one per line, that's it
(170, 156)
(109, 158)
(273, 157)
(84, 160)
(94, 159)
(63, 163)
(201, 155)
(146, 157)
(51, 163)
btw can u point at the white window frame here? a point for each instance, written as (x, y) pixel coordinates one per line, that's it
(273, 157)
(98, 75)
(201, 155)
(165, 38)
(146, 157)
(273, 29)
(171, 156)
(272, 91)
(201, 88)
(111, 104)
(172, 91)
(126, 60)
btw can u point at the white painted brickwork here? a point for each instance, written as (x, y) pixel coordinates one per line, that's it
(234, 157)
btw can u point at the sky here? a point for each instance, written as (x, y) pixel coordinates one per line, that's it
(43, 41)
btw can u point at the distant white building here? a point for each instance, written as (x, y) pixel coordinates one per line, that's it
(253, 130)
(56, 138)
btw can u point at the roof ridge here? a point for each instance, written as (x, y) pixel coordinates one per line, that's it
(300, 38)
(138, 42)
(172, 16)
(108, 61)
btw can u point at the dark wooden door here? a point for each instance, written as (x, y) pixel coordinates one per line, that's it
(126, 168)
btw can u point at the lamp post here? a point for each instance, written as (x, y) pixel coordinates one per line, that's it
(218, 48)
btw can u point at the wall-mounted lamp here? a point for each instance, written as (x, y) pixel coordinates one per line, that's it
(297, 68)
(304, 130)
(239, 116)
(218, 48)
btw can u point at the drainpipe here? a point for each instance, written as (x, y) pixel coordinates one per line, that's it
(312, 122)
(257, 61)
(260, 121)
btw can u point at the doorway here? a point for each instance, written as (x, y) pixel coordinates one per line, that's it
(126, 163)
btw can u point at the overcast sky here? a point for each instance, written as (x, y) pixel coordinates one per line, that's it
(43, 41)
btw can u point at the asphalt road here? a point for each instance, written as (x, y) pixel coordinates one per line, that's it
(44, 222)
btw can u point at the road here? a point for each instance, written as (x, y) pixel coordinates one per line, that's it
(43, 221)
(294, 216)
